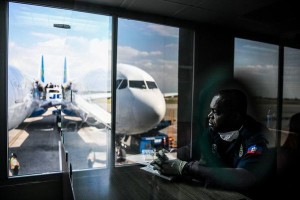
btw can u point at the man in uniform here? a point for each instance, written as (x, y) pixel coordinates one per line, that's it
(233, 150)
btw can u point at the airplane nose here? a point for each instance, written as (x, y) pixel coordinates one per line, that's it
(149, 110)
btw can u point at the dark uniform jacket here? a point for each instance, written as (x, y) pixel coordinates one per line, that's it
(248, 151)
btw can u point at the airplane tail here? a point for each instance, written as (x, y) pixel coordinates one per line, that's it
(65, 79)
(42, 72)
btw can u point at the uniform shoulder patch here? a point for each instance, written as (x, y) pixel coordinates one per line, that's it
(255, 150)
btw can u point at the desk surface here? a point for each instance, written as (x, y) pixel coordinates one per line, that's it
(131, 182)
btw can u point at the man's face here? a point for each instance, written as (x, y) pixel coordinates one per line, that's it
(220, 119)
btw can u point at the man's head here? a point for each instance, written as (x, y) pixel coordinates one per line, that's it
(228, 109)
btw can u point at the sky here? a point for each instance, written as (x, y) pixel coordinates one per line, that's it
(152, 47)
(87, 46)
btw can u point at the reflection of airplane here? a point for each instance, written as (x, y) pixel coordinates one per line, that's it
(140, 105)
(25, 96)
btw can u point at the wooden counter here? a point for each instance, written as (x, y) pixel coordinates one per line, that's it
(132, 183)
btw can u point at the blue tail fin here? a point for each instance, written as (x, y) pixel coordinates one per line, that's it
(42, 71)
(65, 71)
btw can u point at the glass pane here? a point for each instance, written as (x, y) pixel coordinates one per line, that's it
(256, 66)
(146, 111)
(291, 95)
(59, 65)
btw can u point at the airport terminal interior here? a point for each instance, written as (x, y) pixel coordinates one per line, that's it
(92, 89)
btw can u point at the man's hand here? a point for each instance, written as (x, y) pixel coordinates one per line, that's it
(166, 166)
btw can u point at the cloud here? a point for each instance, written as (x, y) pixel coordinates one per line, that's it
(164, 30)
(46, 36)
(172, 45)
(126, 53)
(265, 48)
(82, 55)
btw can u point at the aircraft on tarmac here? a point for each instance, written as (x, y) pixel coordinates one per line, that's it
(138, 97)
(26, 96)
(140, 104)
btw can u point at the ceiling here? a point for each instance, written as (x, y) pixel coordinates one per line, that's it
(277, 18)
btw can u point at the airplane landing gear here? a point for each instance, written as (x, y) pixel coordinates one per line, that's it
(121, 154)
(120, 150)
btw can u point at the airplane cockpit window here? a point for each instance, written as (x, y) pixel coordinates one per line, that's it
(137, 84)
(118, 83)
(123, 84)
(151, 84)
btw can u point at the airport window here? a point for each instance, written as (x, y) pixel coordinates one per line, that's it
(70, 51)
(137, 84)
(256, 66)
(291, 98)
(151, 85)
(145, 121)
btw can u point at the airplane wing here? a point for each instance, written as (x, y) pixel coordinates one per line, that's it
(96, 96)
(171, 94)
(87, 108)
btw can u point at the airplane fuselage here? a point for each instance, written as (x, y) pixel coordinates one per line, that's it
(140, 106)
(20, 99)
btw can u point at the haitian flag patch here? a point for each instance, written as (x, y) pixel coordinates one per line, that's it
(255, 150)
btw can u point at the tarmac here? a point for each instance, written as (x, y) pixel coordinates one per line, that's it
(36, 143)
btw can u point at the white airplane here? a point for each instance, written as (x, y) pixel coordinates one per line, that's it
(21, 103)
(140, 105)
(24, 97)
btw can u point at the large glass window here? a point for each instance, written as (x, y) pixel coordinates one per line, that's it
(256, 66)
(291, 95)
(146, 110)
(58, 84)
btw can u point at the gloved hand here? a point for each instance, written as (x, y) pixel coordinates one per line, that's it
(166, 166)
